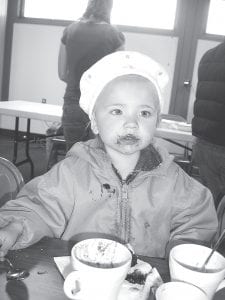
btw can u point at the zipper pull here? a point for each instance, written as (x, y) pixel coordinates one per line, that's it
(124, 191)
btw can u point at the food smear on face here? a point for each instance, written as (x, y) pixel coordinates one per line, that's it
(128, 139)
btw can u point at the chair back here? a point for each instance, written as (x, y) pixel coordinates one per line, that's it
(11, 180)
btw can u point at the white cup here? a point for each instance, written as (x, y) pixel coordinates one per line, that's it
(101, 266)
(185, 262)
(179, 290)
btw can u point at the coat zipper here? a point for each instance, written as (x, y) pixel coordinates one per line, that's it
(125, 213)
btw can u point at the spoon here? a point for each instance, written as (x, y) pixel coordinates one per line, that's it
(214, 248)
(14, 273)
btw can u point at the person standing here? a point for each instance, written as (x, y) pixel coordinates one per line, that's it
(83, 43)
(208, 123)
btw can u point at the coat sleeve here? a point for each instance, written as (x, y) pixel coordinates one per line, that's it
(193, 212)
(43, 206)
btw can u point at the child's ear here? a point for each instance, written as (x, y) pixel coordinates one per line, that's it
(94, 126)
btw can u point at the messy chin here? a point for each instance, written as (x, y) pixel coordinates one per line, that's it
(128, 148)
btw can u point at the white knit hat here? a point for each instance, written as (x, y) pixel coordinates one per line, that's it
(118, 64)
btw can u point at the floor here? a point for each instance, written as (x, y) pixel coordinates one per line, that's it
(37, 152)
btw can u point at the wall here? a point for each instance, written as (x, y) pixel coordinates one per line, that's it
(34, 65)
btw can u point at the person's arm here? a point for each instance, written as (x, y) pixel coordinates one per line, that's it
(62, 63)
(121, 41)
(194, 216)
(9, 235)
(42, 208)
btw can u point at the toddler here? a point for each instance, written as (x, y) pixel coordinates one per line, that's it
(121, 184)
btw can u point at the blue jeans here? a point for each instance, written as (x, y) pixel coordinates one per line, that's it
(210, 159)
(76, 124)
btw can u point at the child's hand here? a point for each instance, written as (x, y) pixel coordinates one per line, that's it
(8, 237)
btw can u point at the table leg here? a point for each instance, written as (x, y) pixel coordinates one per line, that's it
(27, 141)
(16, 138)
(28, 149)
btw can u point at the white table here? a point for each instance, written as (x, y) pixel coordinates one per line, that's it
(178, 133)
(53, 113)
(31, 110)
(174, 134)
(28, 110)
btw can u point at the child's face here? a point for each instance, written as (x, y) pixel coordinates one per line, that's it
(126, 113)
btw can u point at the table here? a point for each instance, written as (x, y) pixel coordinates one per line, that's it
(28, 110)
(45, 282)
(49, 112)
(173, 135)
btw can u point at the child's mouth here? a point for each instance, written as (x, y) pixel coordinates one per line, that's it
(128, 139)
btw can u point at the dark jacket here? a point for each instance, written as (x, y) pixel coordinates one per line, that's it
(209, 108)
(86, 43)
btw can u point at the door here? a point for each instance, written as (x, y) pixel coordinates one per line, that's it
(195, 38)
(190, 26)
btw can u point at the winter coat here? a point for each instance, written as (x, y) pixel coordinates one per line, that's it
(209, 108)
(83, 195)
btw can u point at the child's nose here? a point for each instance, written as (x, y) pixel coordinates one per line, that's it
(131, 122)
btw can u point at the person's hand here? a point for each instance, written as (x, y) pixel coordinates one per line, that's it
(8, 236)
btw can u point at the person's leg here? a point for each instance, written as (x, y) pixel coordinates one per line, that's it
(75, 124)
(211, 162)
(220, 161)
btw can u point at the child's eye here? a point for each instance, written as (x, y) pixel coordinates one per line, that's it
(145, 113)
(116, 111)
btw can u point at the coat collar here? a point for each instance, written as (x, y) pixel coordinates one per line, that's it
(154, 159)
(149, 158)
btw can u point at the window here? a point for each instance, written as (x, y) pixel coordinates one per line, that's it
(138, 13)
(145, 13)
(216, 20)
(54, 9)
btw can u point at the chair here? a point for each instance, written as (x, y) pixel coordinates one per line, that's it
(11, 180)
(55, 144)
(58, 148)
